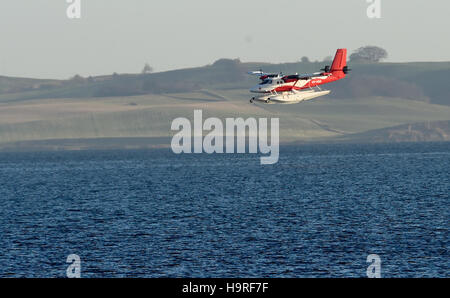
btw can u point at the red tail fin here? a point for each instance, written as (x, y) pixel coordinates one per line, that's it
(340, 60)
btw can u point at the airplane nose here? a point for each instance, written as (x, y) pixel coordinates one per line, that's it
(256, 89)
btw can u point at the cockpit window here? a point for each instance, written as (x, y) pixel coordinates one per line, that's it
(266, 82)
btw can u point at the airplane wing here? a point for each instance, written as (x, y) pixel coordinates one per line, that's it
(257, 73)
(308, 75)
(260, 73)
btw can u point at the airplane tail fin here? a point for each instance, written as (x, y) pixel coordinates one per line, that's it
(339, 62)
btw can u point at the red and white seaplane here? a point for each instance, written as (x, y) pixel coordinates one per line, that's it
(276, 88)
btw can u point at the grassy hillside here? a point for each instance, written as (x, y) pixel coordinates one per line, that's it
(150, 116)
(15, 85)
(425, 81)
(416, 132)
(141, 107)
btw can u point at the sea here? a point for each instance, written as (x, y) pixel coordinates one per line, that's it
(319, 212)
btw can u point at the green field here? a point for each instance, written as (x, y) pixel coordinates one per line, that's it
(151, 115)
(373, 96)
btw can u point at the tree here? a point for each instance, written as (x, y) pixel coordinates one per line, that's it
(224, 62)
(305, 59)
(147, 69)
(369, 54)
(77, 79)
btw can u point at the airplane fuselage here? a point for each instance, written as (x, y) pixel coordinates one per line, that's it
(275, 88)
(285, 84)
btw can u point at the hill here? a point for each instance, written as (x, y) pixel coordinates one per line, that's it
(425, 81)
(430, 131)
(145, 120)
(136, 110)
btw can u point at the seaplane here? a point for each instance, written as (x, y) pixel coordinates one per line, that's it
(288, 89)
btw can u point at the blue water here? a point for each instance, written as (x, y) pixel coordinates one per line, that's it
(318, 212)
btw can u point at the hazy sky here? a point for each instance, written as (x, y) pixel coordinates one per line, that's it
(39, 40)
